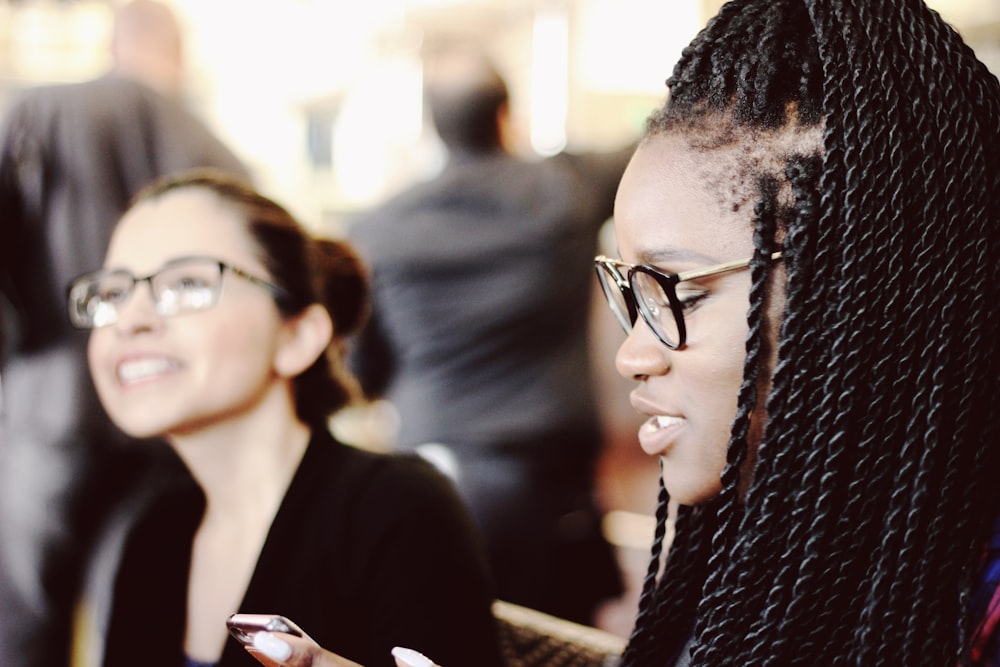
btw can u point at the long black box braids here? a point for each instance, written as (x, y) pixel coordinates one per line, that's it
(858, 539)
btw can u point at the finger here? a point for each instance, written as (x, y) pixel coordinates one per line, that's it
(281, 650)
(407, 657)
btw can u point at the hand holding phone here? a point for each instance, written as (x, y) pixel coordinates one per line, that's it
(245, 626)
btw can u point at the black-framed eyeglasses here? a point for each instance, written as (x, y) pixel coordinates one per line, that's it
(660, 298)
(182, 285)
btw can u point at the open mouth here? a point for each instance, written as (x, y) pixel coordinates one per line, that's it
(140, 370)
(660, 422)
(658, 433)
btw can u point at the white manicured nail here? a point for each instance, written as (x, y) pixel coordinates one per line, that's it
(272, 647)
(411, 657)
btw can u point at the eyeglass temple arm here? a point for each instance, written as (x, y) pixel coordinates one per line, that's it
(694, 274)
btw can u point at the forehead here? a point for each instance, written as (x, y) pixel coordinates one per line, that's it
(678, 201)
(180, 223)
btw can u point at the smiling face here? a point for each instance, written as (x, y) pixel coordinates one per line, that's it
(160, 375)
(670, 214)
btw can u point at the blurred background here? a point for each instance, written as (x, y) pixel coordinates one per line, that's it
(322, 97)
(322, 100)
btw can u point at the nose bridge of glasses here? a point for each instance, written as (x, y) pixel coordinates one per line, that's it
(131, 303)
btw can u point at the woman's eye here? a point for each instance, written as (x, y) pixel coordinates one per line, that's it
(112, 293)
(690, 296)
(185, 283)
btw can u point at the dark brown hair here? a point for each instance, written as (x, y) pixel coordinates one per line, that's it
(464, 94)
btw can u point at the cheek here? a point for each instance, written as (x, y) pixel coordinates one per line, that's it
(722, 335)
(99, 346)
(718, 382)
(102, 348)
(712, 381)
(237, 354)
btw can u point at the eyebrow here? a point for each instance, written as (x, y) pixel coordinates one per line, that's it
(668, 256)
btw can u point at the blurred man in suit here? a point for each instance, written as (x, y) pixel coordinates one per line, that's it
(482, 281)
(71, 157)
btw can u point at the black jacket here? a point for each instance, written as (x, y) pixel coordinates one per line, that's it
(367, 551)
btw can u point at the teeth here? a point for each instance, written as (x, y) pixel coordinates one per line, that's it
(664, 421)
(133, 371)
(660, 422)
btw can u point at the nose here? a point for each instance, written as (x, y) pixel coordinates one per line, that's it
(642, 354)
(137, 313)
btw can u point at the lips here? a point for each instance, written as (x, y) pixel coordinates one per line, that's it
(661, 430)
(659, 433)
(144, 369)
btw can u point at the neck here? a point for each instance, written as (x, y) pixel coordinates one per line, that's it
(245, 463)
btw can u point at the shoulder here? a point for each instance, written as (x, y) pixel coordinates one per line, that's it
(402, 492)
(82, 106)
(375, 477)
(100, 92)
(385, 218)
(397, 480)
(34, 107)
(378, 499)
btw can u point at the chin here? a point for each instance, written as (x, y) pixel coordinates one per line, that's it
(691, 495)
(135, 424)
(140, 431)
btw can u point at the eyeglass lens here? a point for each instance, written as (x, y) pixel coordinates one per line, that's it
(649, 297)
(191, 285)
(615, 293)
(654, 305)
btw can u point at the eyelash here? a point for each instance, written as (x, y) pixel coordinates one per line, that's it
(690, 303)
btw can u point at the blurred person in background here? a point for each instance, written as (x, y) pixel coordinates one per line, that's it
(482, 286)
(71, 158)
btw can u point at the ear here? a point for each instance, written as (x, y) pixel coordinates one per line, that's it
(306, 336)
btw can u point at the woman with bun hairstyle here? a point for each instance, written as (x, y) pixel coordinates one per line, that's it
(219, 325)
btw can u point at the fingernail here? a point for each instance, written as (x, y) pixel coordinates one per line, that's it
(411, 657)
(272, 647)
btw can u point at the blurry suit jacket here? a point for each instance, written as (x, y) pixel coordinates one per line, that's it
(71, 158)
(482, 285)
(482, 281)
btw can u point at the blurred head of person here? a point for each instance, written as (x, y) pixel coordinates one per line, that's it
(216, 304)
(467, 99)
(147, 46)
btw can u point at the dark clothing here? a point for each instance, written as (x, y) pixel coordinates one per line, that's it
(482, 284)
(367, 551)
(984, 647)
(71, 158)
(542, 526)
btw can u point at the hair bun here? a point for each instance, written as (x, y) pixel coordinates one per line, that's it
(346, 285)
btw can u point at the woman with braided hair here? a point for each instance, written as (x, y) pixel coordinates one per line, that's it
(809, 238)
(831, 448)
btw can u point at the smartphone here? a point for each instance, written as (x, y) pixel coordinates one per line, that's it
(245, 626)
